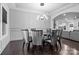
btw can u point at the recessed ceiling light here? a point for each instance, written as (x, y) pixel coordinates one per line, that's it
(64, 14)
(41, 4)
(75, 17)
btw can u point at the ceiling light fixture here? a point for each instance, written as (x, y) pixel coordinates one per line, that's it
(41, 4)
(64, 14)
(75, 17)
(42, 17)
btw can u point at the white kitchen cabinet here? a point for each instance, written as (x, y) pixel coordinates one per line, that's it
(65, 34)
(75, 35)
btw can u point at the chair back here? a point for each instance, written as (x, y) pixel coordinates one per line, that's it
(33, 32)
(49, 31)
(54, 33)
(60, 34)
(37, 37)
(54, 37)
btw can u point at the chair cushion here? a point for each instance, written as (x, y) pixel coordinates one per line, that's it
(48, 41)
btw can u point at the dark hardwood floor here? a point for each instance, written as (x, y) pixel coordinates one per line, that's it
(15, 48)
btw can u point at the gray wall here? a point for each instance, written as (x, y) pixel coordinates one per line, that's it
(4, 40)
(0, 20)
(21, 19)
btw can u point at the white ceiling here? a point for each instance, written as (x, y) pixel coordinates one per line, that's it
(36, 6)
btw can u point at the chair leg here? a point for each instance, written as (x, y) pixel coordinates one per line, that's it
(60, 43)
(23, 47)
(28, 46)
(43, 43)
(23, 44)
(51, 47)
(60, 46)
(56, 47)
(33, 49)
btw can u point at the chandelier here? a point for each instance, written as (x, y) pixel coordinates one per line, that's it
(41, 4)
(43, 17)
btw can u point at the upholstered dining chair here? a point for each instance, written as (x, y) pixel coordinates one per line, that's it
(54, 40)
(25, 33)
(59, 38)
(36, 39)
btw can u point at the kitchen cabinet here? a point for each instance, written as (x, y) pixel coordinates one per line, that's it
(74, 35)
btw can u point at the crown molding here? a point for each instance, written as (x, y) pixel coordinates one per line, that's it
(12, 6)
(25, 10)
(62, 9)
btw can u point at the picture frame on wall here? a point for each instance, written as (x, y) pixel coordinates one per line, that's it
(71, 25)
(64, 27)
(4, 15)
(78, 24)
(4, 20)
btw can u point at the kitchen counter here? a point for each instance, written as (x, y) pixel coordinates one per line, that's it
(73, 35)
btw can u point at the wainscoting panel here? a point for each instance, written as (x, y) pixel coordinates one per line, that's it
(0, 46)
(15, 34)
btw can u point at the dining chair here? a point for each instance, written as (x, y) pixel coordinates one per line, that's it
(46, 36)
(33, 34)
(53, 40)
(49, 33)
(36, 39)
(59, 38)
(26, 38)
